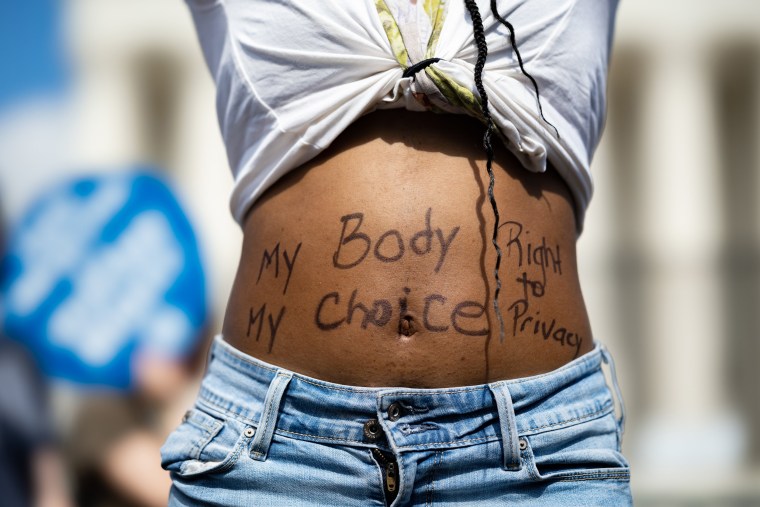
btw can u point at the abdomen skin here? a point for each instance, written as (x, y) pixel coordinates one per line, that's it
(373, 265)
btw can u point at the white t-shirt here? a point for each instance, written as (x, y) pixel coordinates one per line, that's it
(291, 75)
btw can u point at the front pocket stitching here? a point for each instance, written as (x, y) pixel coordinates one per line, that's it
(210, 405)
(209, 431)
(622, 473)
(601, 412)
(212, 427)
(591, 476)
(226, 463)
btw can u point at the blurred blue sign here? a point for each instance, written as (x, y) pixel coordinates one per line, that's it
(32, 55)
(99, 270)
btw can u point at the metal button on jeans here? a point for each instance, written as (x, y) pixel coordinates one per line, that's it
(372, 429)
(394, 411)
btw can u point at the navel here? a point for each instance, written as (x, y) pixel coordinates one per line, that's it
(406, 325)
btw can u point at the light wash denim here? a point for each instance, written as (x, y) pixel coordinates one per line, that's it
(260, 435)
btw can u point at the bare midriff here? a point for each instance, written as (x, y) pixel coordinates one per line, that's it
(372, 265)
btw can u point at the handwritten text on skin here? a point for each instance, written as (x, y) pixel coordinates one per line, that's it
(545, 261)
(256, 315)
(534, 262)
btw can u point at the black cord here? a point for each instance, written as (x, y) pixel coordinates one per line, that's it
(480, 42)
(414, 69)
(513, 42)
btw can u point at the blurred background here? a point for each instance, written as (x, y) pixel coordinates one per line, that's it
(102, 93)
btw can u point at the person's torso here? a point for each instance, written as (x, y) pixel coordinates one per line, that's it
(373, 264)
(367, 256)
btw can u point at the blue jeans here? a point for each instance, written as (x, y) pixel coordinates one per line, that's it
(265, 436)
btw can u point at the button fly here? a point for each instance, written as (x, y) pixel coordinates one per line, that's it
(394, 411)
(372, 429)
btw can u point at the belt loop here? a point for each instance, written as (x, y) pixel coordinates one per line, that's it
(265, 429)
(509, 438)
(215, 344)
(607, 358)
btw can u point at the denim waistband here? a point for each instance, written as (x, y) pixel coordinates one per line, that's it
(280, 401)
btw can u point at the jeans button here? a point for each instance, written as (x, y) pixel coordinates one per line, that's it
(372, 429)
(394, 411)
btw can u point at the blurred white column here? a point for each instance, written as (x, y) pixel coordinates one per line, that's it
(597, 270)
(595, 251)
(200, 167)
(690, 422)
(110, 40)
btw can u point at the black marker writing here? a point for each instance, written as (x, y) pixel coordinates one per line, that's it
(267, 258)
(290, 263)
(353, 248)
(331, 314)
(266, 261)
(399, 247)
(258, 316)
(535, 256)
(326, 326)
(354, 236)
(445, 244)
(426, 313)
(461, 313)
(532, 254)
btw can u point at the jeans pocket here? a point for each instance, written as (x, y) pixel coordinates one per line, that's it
(580, 452)
(203, 443)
